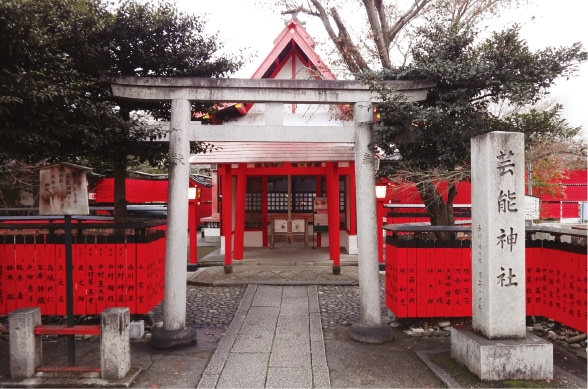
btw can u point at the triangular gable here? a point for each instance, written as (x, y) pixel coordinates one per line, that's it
(292, 41)
(294, 33)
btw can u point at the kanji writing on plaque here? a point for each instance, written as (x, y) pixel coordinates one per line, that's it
(506, 280)
(509, 238)
(506, 201)
(505, 163)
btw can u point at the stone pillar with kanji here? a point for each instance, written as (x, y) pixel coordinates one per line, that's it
(498, 347)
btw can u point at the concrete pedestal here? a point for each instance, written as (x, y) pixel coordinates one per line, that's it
(530, 358)
(26, 350)
(115, 345)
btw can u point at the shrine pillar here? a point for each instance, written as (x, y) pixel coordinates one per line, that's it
(370, 328)
(239, 208)
(227, 217)
(332, 181)
(174, 331)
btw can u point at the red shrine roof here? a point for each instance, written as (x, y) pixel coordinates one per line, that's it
(293, 43)
(252, 152)
(293, 40)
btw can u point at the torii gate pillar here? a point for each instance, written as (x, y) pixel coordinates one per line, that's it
(370, 328)
(174, 331)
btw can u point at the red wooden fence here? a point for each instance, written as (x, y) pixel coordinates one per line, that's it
(107, 272)
(428, 278)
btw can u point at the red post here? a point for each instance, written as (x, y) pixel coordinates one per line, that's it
(319, 193)
(353, 210)
(193, 231)
(227, 220)
(264, 209)
(214, 189)
(333, 212)
(240, 214)
(380, 216)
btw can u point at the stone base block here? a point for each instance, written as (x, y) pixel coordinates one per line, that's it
(508, 359)
(137, 329)
(163, 339)
(373, 335)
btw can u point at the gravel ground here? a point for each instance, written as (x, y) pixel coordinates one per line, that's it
(209, 306)
(340, 305)
(215, 307)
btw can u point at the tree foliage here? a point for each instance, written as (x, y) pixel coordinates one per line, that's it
(46, 99)
(54, 55)
(472, 77)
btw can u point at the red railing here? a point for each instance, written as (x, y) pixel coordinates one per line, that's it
(430, 278)
(108, 271)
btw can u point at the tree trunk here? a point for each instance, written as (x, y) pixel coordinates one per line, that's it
(120, 202)
(120, 174)
(440, 212)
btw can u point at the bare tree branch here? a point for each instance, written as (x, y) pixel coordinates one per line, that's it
(298, 10)
(347, 48)
(374, 17)
(409, 15)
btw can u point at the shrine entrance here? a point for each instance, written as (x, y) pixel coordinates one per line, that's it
(288, 204)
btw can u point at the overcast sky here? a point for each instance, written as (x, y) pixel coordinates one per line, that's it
(252, 26)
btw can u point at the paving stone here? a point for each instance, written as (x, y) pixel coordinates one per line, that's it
(253, 343)
(287, 353)
(293, 292)
(294, 307)
(267, 296)
(321, 378)
(260, 319)
(291, 327)
(313, 303)
(244, 370)
(289, 377)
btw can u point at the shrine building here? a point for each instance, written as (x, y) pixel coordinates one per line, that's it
(275, 192)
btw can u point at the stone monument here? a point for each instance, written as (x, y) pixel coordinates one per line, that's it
(498, 347)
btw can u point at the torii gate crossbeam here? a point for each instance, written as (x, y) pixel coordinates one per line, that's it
(181, 91)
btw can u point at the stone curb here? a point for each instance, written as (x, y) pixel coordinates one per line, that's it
(272, 282)
(282, 282)
(569, 376)
(252, 263)
(439, 372)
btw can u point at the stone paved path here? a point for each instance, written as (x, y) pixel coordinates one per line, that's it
(274, 341)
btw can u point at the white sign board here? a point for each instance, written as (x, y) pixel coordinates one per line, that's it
(531, 208)
(321, 217)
